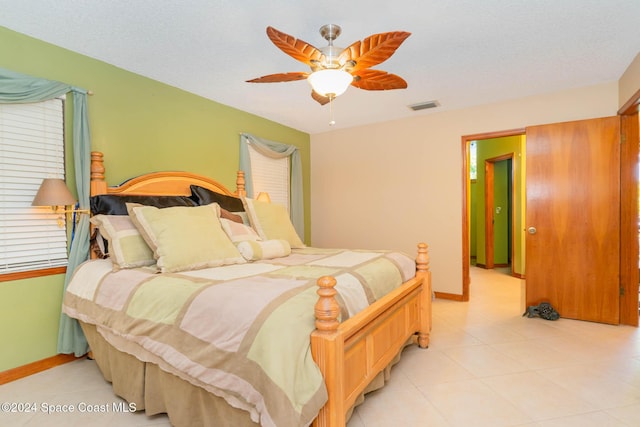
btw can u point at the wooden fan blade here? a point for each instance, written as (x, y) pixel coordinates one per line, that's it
(321, 99)
(377, 80)
(296, 48)
(373, 50)
(280, 77)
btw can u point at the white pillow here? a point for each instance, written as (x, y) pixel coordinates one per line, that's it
(253, 250)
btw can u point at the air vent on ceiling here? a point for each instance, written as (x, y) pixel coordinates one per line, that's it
(424, 105)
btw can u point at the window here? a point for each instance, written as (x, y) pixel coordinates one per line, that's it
(270, 176)
(473, 160)
(31, 148)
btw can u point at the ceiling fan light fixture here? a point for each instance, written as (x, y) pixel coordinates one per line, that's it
(332, 67)
(330, 82)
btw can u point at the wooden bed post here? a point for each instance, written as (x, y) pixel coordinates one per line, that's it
(422, 270)
(327, 308)
(327, 346)
(240, 184)
(98, 184)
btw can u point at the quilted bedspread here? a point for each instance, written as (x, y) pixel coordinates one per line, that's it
(239, 331)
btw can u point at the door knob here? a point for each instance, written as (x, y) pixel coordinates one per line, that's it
(532, 230)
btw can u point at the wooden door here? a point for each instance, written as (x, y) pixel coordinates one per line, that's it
(573, 218)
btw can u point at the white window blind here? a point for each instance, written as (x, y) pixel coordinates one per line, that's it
(271, 176)
(31, 149)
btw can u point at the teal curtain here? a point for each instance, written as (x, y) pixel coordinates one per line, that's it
(21, 88)
(276, 150)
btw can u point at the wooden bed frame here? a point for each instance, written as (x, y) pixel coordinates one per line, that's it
(350, 354)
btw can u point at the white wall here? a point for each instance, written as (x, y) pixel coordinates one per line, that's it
(391, 185)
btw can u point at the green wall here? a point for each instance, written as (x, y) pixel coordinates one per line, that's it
(141, 126)
(488, 149)
(502, 219)
(29, 316)
(473, 229)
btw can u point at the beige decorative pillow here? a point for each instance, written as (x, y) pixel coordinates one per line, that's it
(253, 250)
(185, 238)
(271, 221)
(126, 246)
(238, 232)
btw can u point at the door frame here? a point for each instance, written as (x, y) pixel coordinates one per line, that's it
(466, 200)
(489, 199)
(489, 237)
(629, 245)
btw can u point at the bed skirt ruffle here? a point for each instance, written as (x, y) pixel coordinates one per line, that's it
(157, 392)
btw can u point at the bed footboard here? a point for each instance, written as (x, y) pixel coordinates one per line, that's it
(350, 354)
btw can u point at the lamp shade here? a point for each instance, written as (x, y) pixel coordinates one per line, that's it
(330, 82)
(53, 192)
(264, 197)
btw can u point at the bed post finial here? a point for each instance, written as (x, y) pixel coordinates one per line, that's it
(327, 308)
(240, 184)
(422, 259)
(98, 184)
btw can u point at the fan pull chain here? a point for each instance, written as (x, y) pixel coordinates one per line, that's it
(331, 120)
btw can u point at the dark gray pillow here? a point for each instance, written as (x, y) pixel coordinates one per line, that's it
(204, 196)
(112, 204)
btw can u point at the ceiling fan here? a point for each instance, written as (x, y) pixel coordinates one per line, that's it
(333, 69)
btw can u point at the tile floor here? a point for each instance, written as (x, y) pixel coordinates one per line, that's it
(486, 366)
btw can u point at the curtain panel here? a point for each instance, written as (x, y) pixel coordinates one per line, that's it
(276, 150)
(21, 88)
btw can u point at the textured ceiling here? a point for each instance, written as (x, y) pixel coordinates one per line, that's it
(461, 52)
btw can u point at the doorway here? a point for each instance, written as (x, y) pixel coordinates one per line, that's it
(495, 147)
(498, 212)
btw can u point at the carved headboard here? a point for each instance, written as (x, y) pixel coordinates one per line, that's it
(158, 183)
